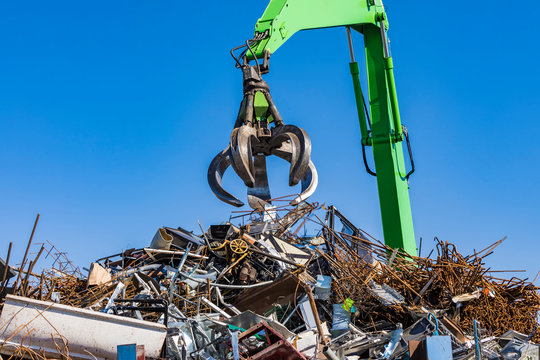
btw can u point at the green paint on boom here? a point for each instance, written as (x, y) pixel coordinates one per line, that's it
(282, 19)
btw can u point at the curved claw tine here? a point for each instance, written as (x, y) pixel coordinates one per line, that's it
(301, 150)
(284, 151)
(309, 184)
(241, 155)
(310, 179)
(293, 148)
(217, 168)
(259, 195)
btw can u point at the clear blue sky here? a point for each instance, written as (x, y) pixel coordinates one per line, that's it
(111, 112)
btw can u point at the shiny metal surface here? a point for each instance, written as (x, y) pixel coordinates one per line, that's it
(256, 136)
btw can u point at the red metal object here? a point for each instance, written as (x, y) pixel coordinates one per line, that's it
(140, 352)
(274, 347)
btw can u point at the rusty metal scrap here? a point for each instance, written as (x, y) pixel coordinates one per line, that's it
(331, 293)
(502, 304)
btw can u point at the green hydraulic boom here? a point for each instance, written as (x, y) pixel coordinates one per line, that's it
(282, 19)
(253, 138)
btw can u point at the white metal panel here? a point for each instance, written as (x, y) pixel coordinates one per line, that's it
(89, 334)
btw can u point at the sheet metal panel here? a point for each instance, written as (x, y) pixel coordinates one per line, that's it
(90, 334)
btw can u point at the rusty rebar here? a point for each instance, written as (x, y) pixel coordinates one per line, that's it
(26, 251)
(6, 270)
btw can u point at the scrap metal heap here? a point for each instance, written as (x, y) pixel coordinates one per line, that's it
(254, 288)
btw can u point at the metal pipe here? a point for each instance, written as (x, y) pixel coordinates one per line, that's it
(386, 49)
(184, 258)
(142, 268)
(349, 38)
(478, 346)
(307, 289)
(215, 307)
(329, 354)
(172, 252)
(389, 66)
(227, 286)
(203, 233)
(180, 266)
(229, 306)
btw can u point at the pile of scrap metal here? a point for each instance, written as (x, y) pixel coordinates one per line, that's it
(253, 288)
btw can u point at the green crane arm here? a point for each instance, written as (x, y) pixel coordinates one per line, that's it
(382, 130)
(283, 18)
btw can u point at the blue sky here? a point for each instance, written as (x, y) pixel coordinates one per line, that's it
(111, 112)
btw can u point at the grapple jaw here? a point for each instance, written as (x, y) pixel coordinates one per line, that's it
(259, 132)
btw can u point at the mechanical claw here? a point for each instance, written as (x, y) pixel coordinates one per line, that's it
(217, 168)
(308, 185)
(252, 140)
(259, 195)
